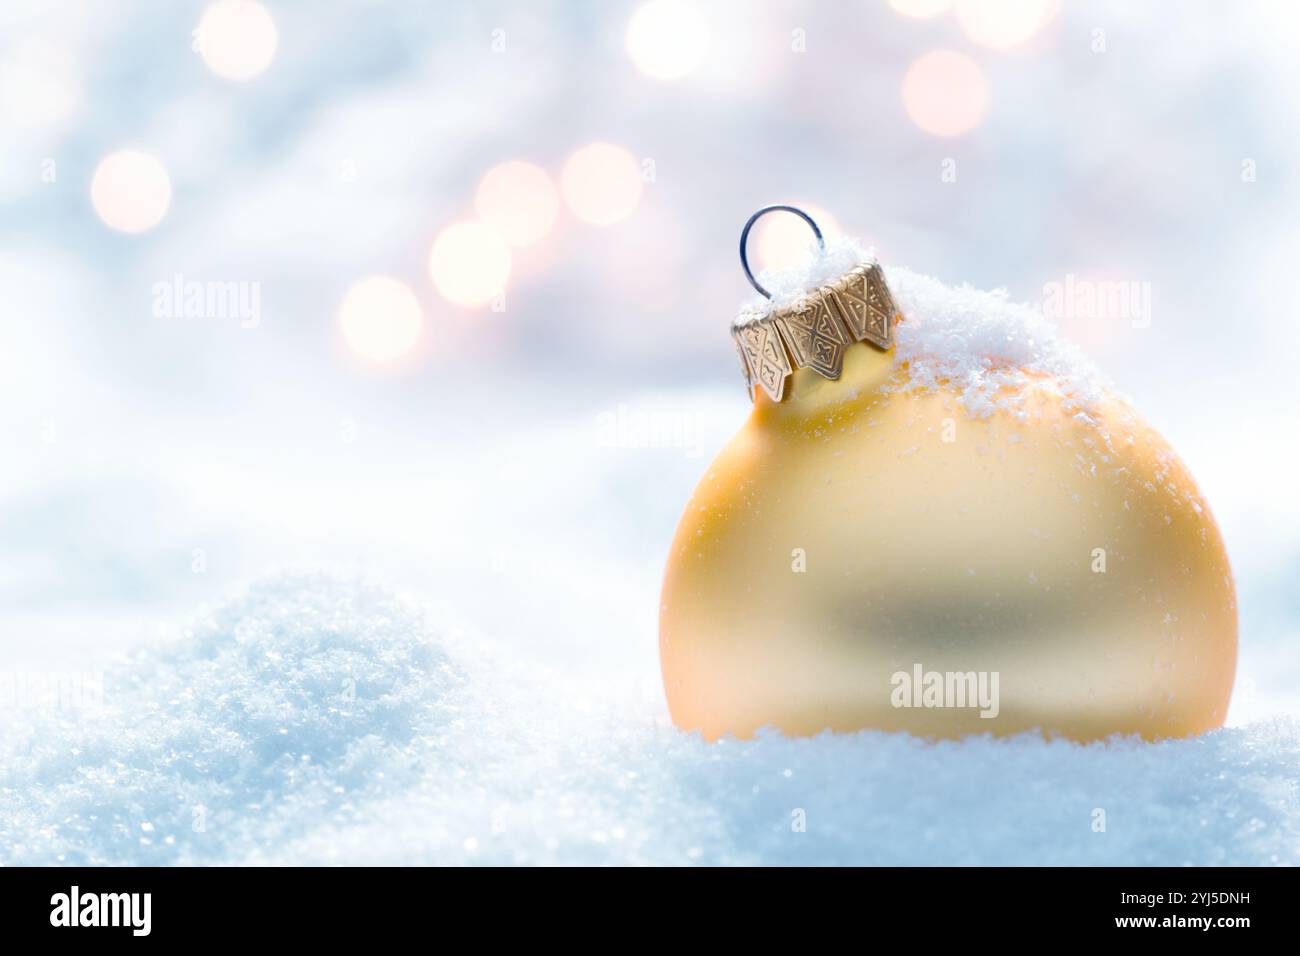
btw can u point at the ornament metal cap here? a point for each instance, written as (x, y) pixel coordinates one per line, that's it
(814, 330)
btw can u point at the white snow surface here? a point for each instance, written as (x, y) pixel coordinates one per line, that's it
(321, 719)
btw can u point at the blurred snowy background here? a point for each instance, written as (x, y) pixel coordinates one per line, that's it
(438, 292)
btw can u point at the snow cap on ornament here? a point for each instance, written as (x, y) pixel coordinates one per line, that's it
(812, 328)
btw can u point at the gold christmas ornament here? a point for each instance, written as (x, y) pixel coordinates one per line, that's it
(937, 520)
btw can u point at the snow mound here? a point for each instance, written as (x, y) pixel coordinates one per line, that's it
(277, 710)
(978, 343)
(320, 720)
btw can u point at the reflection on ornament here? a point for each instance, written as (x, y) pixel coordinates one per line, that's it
(945, 544)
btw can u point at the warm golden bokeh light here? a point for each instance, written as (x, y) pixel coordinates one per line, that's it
(380, 319)
(237, 39)
(667, 39)
(921, 9)
(130, 191)
(784, 241)
(602, 184)
(1003, 24)
(945, 93)
(519, 201)
(469, 263)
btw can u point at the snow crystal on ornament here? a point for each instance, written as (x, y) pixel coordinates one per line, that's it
(985, 346)
(989, 350)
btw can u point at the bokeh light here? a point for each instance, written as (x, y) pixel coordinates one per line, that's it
(667, 39)
(602, 184)
(945, 93)
(921, 9)
(782, 240)
(469, 263)
(39, 85)
(237, 39)
(519, 201)
(130, 191)
(1003, 24)
(380, 319)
